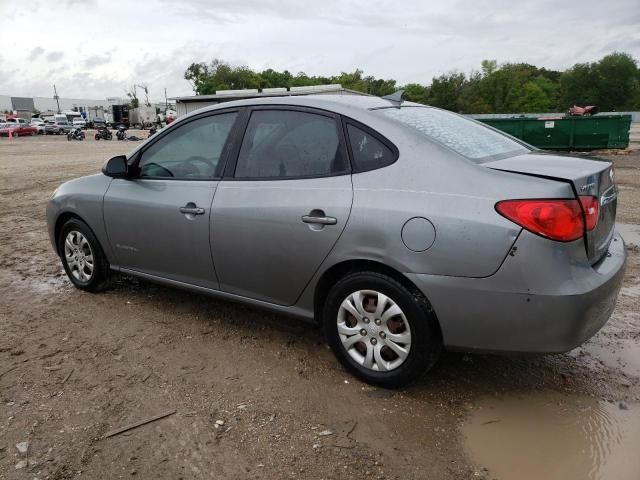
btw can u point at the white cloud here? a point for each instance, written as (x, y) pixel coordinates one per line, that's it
(35, 53)
(98, 48)
(54, 56)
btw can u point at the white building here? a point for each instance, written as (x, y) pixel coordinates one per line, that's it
(48, 104)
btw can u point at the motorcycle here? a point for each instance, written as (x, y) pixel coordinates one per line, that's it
(75, 134)
(121, 134)
(103, 133)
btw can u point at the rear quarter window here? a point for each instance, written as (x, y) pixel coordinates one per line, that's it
(368, 152)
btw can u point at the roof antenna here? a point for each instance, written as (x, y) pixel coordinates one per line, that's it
(396, 97)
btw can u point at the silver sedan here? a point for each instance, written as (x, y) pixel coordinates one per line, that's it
(401, 229)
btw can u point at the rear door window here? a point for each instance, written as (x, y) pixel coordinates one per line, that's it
(290, 144)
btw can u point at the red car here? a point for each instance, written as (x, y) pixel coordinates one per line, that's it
(17, 129)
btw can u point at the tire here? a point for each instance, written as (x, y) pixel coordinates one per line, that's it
(109, 136)
(69, 137)
(15, 134)
(81, 275)
(96, 137)
(416, 319)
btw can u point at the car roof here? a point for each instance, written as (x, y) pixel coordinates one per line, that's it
(332, 102)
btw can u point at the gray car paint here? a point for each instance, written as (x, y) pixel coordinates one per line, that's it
(147, 232)
(477, 288)
(270, 211)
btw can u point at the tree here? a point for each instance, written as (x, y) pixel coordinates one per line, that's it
(414, 92)
(219, 75)
(471, 100)
(488, 67)
(538, 95)
(617, 76)
(611, 83)
(133, 96)
(446, 90)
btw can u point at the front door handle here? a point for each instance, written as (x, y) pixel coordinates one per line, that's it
(192, 210)
(319, 220)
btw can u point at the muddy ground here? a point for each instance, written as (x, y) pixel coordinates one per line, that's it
(255, 395)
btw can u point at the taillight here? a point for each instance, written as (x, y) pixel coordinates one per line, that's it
(590, 207)
(557, 219)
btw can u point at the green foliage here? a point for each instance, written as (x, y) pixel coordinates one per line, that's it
(445, 91)
(612, 83)
(414, 92)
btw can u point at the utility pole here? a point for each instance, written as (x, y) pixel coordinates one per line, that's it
(166, 101)
(55, 95)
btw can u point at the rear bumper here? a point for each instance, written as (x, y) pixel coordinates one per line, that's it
(534, 303)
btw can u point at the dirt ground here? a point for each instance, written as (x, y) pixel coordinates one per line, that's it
(255, 395)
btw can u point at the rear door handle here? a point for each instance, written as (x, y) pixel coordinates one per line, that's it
(319, 220)
(192, 210)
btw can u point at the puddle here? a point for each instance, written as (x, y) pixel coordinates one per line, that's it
(623, 355)
(554, 437)
(630, 233)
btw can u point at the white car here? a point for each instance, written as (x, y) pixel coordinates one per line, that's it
(39, 124)
(79, 122)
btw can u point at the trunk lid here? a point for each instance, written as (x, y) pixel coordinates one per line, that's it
(588, 177)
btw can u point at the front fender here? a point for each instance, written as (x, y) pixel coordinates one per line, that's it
(83, 198)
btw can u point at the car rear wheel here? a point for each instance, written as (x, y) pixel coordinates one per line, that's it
(82, 257)
(380, 330)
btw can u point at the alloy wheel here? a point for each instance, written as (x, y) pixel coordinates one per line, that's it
(78, 256)
(374, 330)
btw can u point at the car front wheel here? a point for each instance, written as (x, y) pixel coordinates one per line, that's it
(381, 331)
(82, 257)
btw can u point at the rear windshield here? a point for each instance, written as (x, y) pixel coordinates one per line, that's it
(466, 137)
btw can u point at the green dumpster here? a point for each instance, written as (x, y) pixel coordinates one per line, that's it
(567, 133)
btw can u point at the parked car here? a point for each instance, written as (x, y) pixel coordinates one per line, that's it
(17, 129)
(99, 123)
(79, 123)
(401, 229)
(13, 119)
(39, 124)
(58, 127)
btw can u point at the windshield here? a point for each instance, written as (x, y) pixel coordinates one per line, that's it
(466, 137)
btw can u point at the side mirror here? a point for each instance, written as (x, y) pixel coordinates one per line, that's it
(116, 167)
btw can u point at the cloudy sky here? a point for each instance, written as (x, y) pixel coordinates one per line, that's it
(94, 48)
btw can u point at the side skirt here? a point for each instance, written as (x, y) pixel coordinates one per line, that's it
(292, 311)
